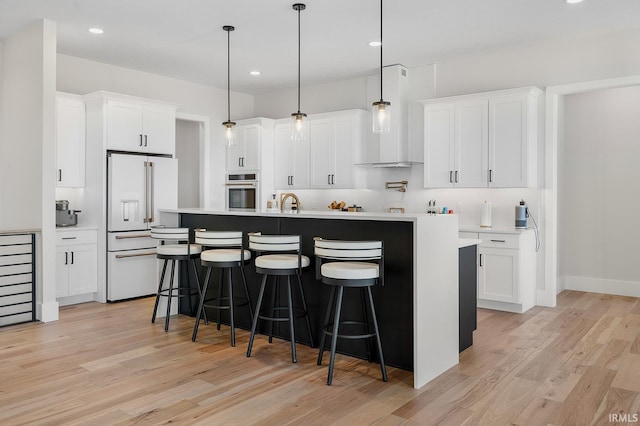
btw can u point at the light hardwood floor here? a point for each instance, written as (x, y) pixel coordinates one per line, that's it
(107, 364)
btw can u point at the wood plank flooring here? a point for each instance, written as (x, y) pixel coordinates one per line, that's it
(576, 364)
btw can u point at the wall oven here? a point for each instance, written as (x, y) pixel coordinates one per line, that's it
(242, 191)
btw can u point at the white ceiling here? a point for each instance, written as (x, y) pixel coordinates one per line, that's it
(184, 38)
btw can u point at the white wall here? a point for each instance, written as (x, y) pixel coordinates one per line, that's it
(81, 76)
(599, 183)
(187, 153)
(27, 152)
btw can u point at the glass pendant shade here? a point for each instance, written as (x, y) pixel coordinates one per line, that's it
(381, 116)
(229, 134)
(299, 124)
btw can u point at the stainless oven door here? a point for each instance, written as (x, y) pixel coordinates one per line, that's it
(242, 196)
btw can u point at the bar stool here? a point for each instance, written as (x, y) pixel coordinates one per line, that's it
(177, 250)
(287, 260)
(229, 253)
(349, 264)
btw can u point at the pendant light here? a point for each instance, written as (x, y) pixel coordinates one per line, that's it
(297, 132)
(381, 110)
(229, 124)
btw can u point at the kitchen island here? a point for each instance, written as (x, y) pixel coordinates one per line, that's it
(418, 305)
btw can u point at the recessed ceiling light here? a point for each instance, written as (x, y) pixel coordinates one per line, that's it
(375, 43)
(254, 72)
(96, 30)
(573, 1)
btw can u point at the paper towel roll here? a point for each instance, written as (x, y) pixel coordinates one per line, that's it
(485, 216)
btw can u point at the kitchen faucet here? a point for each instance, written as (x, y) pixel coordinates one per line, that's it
(296, 201)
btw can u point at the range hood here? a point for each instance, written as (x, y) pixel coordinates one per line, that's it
(390, 149)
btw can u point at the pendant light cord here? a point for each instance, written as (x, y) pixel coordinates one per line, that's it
(381, 44)
(299, 60)
(228, 76)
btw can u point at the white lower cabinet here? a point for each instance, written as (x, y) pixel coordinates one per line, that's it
(506, 270)
(76, 262)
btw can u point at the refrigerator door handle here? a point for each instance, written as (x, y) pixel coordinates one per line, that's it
(146, 192)
(152, 191)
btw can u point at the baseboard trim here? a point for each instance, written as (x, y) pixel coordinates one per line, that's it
(602, 285)
(47, 312)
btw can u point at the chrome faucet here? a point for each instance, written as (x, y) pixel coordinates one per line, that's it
(296, 201)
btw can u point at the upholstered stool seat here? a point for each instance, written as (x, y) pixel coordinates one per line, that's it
(224, 255)
(350, 270)
(175, 247)
(281, 261)
(279, 256)
(224, 250)
(349, 264)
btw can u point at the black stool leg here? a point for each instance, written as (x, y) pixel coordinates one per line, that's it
(155, 307)
(201, 305)
(306, 311)
(257, 315)
(188, 292)
(246, 291)
(231, 316)
(375, 325)
(292, 329)
(276, 313)
(220, 284)
(334, 336)
(366, 321)
(327, 319)
(166, 320)
(195, 272)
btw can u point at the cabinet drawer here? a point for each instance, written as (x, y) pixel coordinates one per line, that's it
(65, 238)
(130, 240)
(500, 240)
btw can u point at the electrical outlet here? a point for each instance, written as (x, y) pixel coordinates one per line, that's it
(459, 208)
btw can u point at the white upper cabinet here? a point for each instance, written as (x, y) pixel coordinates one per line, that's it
(139, 125)
(482, 140)
(291, 159)
(512, 136)
(244, 154)
(70, 141)
(334, 140)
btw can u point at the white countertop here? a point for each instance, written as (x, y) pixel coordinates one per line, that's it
(315, 214)
(493, 230)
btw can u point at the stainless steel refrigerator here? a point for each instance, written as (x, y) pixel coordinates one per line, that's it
(137, 187)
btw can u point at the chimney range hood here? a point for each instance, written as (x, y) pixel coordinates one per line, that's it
(390, 149)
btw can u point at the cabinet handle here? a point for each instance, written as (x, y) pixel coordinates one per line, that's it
(66, 258)
(450, 176)
(140, 139)
(333, 179)
(239, 158)
(68, 238)
(291, 180)
(145, 140)
(490, 175)
(124, 256)
(498, 241)
(328, 179)
(480, 259)
(456, 176)
(124, 237)
(72, 258)
(59, 175)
